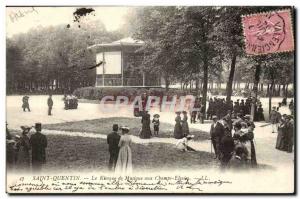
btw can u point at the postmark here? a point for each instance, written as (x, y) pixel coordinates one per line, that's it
(269, 32)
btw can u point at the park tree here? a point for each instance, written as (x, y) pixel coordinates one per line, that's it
(228, 34)
(196, 42)
(278, 68)
(55, 57)
(157, 29)
(179, 42)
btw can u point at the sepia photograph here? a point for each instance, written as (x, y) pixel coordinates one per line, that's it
(150, 100)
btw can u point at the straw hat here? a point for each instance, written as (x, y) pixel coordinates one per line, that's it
(156, 115)
(125, 128)
(25, 128)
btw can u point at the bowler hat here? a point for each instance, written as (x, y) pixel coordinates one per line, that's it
(115, 127)
(38, 126)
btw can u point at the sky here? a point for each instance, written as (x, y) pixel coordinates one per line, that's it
(22, 19)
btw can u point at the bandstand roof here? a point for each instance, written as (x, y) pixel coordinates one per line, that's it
(125, 42)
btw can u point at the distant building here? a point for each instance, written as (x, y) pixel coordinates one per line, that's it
(122, 65)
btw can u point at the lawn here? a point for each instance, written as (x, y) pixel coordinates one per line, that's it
(81, 153)
(76, 153)
(104, 126)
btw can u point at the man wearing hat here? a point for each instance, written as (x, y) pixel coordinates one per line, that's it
(50, 104)
(38, 143)
(236, 108)
(216, 133)
(202, 114)
(8, 135)
(247, 120)
(228, 119)
(113, 139)
(10, 151)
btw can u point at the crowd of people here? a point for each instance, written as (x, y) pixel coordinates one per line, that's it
(19, 149)
(71, 102)
(219, 107)
(285, 136)
(233, 141)
(283, 124)
(231, 133)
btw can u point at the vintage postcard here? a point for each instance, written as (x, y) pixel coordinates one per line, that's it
(150, 100)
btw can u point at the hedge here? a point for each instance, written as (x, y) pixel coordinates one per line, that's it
(97, 93)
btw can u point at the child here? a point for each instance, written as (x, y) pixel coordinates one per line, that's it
(182, 144)
(155, 122)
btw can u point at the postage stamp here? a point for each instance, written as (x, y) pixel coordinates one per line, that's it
(269, 32)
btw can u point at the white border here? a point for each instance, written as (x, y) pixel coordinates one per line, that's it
(3, 195)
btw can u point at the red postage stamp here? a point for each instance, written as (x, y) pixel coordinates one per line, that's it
(269, 32)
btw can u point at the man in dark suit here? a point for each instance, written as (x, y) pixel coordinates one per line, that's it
(216, 133)
(50, 104)
(38, 142)
(113, 146)
(226, 145)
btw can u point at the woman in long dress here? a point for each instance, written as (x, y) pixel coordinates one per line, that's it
(178, 128)
(146, 130)
(290, 134)
(281, 136)
(124, 162)
(244, 137)
(185, 125)
(23, 147)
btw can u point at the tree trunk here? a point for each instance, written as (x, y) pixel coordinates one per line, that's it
(261, 87)
(167, 81)
(271, 89)
(197, 86)
(255, 88)
(205, 80)
(201, 84)
(230, 79)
